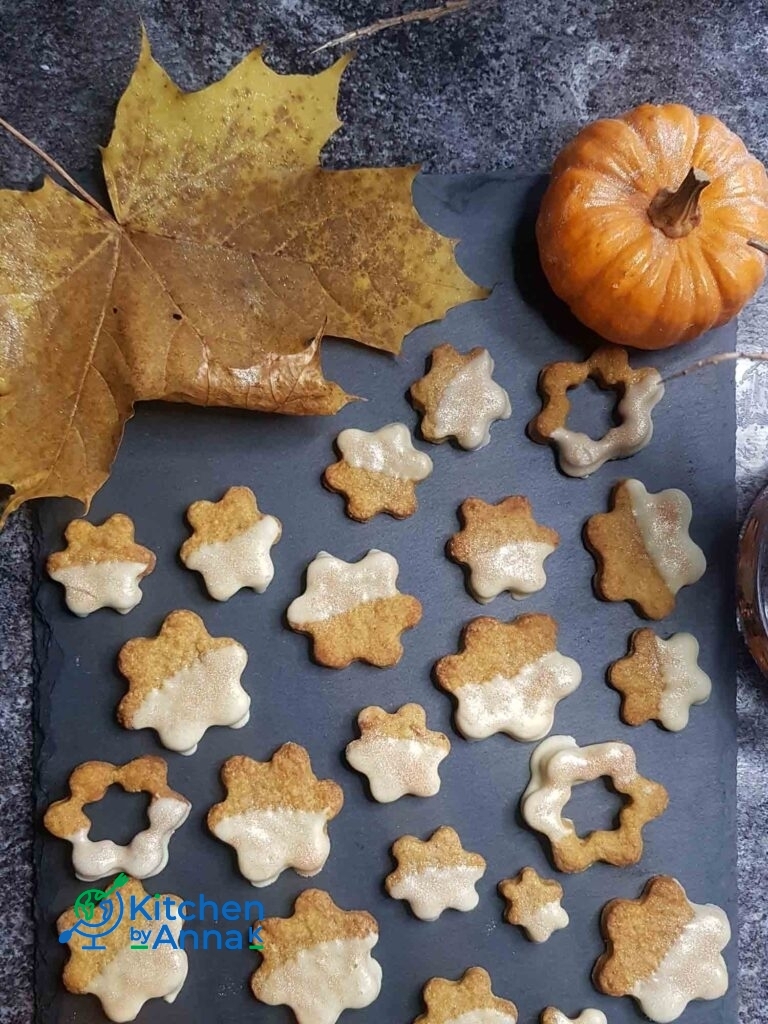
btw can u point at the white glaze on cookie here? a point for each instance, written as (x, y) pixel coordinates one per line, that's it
(242, 561)
(396, 767)
(388, 450)
(483, 1016)
(335, 587)
(269, 840)
(685, 684)
(95, 585)
(553, 1016)
(470, 403)
(517, 566)
(663, 520)
(433, 889)
(542, 922)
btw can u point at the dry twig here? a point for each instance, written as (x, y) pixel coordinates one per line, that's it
(721, 357)
(429, 14)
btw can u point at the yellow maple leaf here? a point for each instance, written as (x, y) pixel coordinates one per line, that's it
(229, 248)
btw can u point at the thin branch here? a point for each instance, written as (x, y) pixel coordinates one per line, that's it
(54, 166)
(722, 357)
(429, 14)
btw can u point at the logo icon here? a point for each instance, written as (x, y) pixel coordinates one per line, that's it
(98, 913)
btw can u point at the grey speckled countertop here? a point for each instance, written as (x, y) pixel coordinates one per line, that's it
(500, 87)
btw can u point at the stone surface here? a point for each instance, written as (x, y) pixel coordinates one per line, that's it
(501, 86)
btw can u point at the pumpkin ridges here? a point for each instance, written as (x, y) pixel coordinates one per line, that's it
(659, 127)
(593, 149)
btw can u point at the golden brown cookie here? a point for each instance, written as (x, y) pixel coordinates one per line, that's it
(230, 544)
(502, 546)
(147, 854)
(459, 398)
(101, 566)
(378, 472)
(508, 677)
(660, 679)
(276, 814)
(533, 903)
(182, 682)
(553, 1016)
(663, 950)
(643, 551)
(318, 961)
(468, 999)
(435, 875)
(353, 610)
(637, 391)
(557, 765)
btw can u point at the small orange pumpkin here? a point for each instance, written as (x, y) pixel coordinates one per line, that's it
(646, 226)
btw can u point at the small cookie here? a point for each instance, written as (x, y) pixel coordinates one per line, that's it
(553, 1016)
(638, 391)
(147, 853)
(502, 546)
(398, 753)
(663, 950)
(276, 814)
(230, 544)
(101, 566)
(533, 903)
(123, 978)
(435, 875)
(182, 682)
(378, 472)
(459, 397)
(353, 610)
(318, 961)
(557, 765)
(509, 677)
(470, 1000)
(643, 551)
(660, 679)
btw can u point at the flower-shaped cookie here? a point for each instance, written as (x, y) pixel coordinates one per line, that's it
(354, 611)
(101, 566)
(276, 814)
(124, 978)
(147, 853)
(459, 397)
(553, 1016)
(660, 679)
(398, 753)
(533, 903)
(470, 1000)
(643, 550)
(435, 875)
(318, 961)
(182, 682)
(557, 765)
(638, 392)
(663, 950)
(378, 472)
(502, 546)
(509, 677)
(230, 544)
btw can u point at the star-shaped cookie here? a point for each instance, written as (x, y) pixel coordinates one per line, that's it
(553, 1016)
(182, 682)
(276, 814)
(468, 1000)
(459, 398)
(533, 903)
(435, 875)
(318, 961)
(502, 546)
(101, 566)
(353, 610)
(230, 544)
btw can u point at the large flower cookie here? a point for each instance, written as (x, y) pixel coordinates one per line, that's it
(101, 566)
(643, 550)
(533, 903)
(398, 753)
(182, 682)
(147, 853)
(663, 950)
(508, 677)
(230, 544)
(276, 814)
(378, 471)
(553, 1016)
(435, 875)
(557, 765)
(318, 961)
(122, 978)
(459, 397)
(470, 1000)
(502, 546)
(353, 610)
(660, 679)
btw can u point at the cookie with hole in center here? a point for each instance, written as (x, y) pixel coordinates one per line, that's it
(435, 875)
(470, 1000)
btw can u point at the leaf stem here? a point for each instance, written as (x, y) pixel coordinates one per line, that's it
(721, 357)
(428, 14)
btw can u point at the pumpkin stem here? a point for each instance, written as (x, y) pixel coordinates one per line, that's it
(757, 244)
(677, 213)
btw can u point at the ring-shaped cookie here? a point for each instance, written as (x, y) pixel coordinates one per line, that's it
(638, 392)
(147, 853)
(557, 765)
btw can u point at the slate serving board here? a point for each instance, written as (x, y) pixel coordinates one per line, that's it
(173, 455)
